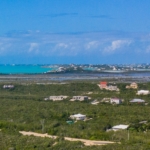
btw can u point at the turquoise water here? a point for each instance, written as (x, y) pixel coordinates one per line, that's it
(24, 69)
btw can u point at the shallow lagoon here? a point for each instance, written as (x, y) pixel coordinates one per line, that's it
(24, 69)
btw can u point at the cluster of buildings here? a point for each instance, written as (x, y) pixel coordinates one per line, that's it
(119, 101)
(102, 85)
(103, 67)
(139, 92)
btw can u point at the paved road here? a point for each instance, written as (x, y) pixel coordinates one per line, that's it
(86, 142)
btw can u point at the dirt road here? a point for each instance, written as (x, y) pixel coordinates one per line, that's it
(86, 142)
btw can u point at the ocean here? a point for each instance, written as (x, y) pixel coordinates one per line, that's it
(25, 69)
(42, 69)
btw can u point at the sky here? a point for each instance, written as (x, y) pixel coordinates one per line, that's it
(74, 31)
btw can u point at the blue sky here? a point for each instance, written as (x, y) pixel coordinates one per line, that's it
(74, 31)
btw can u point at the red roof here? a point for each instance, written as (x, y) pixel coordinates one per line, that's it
(105, 83)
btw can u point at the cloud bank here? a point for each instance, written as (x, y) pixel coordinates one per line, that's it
(98, 45)
(117, 45)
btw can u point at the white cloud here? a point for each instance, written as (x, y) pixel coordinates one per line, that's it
(62, 45)
(117, 44)
(79, 44)
(63, 49)
(4, 46)
(91, 44)
(33, 47)
(148, 49)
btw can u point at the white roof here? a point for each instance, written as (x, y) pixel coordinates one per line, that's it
(80, 96)
(115, 99)
(94, 103)
(143, 91)
(79, 115)
(137, 100)
(121, 126)
(133, 83)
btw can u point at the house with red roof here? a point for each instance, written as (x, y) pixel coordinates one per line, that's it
(103, 85)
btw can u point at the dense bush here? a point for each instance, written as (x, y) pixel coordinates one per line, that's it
(23, 108)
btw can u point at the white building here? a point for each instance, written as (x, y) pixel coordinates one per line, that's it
(112, 88)
(57, 98)
(106, 100)
(95, 102)
(79, 98)
(104, 85)
(115, 101)
(119, 127)
(78, 117)
(8, 86)
(143, 92)
(132, 86)
(46, 98)
(137, 101)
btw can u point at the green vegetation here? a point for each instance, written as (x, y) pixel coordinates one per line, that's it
(24, 108)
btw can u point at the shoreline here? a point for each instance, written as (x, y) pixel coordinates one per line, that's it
(74, 77)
